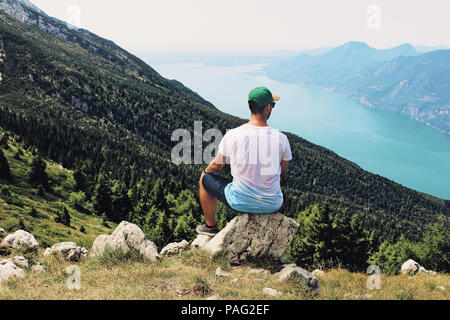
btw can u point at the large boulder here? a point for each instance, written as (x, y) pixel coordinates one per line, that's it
(24, 241)
(411, 268)
(8, 269)
(252, 237)
(174, 249)
(67, 251)
(126, 236)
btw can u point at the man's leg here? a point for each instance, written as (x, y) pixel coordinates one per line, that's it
(209, 205)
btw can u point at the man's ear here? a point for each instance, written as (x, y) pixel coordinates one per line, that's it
(267, 108)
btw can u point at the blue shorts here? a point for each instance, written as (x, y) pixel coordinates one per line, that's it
(215, 186)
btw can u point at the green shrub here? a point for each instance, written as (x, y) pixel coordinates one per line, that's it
(391, 256)
(63, 217)
(9, 197)
(434, 251)
(77, 200)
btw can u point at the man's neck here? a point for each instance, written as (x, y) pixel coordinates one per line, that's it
(258, 121)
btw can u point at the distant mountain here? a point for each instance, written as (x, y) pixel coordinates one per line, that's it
(417, 86)
(398, 79)
(227, 59)
(101, 112)
(425, 49)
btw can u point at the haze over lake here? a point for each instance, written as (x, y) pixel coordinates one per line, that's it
(382, 142)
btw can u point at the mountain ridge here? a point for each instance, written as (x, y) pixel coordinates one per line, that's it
(367, 74)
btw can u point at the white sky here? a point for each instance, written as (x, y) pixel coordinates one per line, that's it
(198, 26)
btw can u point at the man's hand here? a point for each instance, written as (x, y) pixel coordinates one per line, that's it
(217, 164)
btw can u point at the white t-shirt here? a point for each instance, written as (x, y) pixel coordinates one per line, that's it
(255, 155)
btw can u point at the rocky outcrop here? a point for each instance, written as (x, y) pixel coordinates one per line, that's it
(24, 241)
(67, 251)
(127, 236)
(411, 268)
(251, 237)
(31, 15)
(174, 249)
(8, 269)
(291, 270)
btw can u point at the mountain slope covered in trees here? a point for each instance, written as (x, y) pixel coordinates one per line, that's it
(103, 113)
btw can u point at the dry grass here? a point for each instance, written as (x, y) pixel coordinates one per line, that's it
(192, 276)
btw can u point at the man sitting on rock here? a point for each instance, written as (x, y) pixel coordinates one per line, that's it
(258, 156)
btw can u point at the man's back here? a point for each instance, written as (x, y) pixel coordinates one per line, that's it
(255, 154)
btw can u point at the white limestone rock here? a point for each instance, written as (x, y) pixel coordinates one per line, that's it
(412, 268)
(67, 251)
(174, 249)
(22, 240)
(9, 270)
(126, 236)
(252, 236)
(271, 292)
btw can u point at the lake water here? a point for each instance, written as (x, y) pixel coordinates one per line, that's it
(382, 142)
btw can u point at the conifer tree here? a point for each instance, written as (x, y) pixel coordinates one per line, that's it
(5, 171)
(121, 203)
(37, 174)
(103, 196)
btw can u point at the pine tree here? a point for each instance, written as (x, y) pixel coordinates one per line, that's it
(185, 214)
(158, 195)
(4, 141)
(22, 224)
(5, 171)
(121, 203)
(328, 237)
(80, 180)
(435, 249)
(103, 196)
(63, 217)
(156, 227)
(37, 174)
(33, 213)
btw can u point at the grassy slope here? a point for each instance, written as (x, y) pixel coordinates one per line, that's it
(192, 276)
(44, 228)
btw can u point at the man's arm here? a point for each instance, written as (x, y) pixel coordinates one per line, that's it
(217, 164)
(284, 166)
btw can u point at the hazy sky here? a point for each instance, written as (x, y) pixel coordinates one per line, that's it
(145, 26)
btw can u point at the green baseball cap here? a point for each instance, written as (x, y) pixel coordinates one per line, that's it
(262, 96)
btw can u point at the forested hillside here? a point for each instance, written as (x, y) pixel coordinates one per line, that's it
(107, 116)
